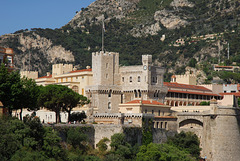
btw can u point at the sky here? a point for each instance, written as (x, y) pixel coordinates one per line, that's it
(26, 14)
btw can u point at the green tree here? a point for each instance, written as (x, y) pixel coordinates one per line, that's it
(26, 154)
(77, 139)
(77, 116)
(204, 103)
(51, 144)
(71, 99)
(30, 95)
(52, 97)
(186, 141)
(192, 62)
(102, 145)
(11, 89)
(162, 152)
(120, 147)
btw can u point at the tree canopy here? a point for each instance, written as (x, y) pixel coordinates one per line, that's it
(59, 98)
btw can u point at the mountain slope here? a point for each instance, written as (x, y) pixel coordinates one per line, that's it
(173, 31)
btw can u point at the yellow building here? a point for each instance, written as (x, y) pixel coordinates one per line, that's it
(66, 75)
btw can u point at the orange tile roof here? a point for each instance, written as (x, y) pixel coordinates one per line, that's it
(198, 93)
(235, 94)
(219, 66)
(185, 86)
(145, 102)
(82, 70)
(165, 117)
(50, 76)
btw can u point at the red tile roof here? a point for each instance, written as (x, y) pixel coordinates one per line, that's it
(82, 70)
(145, 102)
(50, 76)
(235, 94)
(198, 93)
(185, 86)
(223, 66)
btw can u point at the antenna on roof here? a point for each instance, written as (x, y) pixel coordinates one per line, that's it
(103, 30)
(218, 51)
(228, 51)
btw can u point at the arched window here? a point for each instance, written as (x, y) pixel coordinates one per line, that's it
(109, 105)
(110, 93)
(75, 89)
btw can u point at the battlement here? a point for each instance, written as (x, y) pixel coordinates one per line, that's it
(29, 74)
(58, 69)
(187, 78)
(122, 118)
(101, 53)
(147, 58)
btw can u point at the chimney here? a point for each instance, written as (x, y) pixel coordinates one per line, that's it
(88, 67)
(48, 73)
(75, 68)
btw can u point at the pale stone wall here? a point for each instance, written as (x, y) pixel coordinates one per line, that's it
(187, 78)
(58, 69)
(230, 88)
(105, 68)
(29, 74)
(107, 131)
(217, 129)
(215, 88)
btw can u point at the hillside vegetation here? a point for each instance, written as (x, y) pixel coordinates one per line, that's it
(134, 28)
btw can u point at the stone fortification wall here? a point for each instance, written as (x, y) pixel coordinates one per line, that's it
(222, 135)
(161, 135)
(102, 131)
(96, 132)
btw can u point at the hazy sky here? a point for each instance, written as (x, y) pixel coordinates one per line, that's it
(27, 14)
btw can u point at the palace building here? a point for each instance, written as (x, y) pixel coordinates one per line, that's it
(113, 85)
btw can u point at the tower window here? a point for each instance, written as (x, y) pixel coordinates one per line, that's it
(130, 79)
(106, 65)
(109, 105)
(122, 79)
(139, 79)
(106, 75)
(110, 93)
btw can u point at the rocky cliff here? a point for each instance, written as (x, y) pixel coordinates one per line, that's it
(173, 31)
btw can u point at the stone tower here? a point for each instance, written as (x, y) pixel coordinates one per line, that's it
(114, 85)
(217, 129)
(105, 94)
(221, 139)
(147, 66)
(105, 67)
